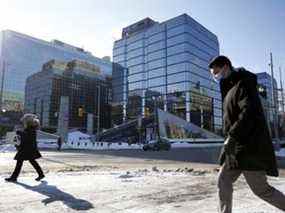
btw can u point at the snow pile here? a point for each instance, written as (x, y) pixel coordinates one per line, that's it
(280, 153)
(102, 145)
(193, 145)
(7, 148)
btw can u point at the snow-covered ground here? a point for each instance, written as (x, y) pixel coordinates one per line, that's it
(140, 191)
(280, 153)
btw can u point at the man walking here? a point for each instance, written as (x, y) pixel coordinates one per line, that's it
(248, 148)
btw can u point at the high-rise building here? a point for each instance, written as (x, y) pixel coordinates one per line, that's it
(87, 87)
(22, 55)
(165, 65)
(264, 79)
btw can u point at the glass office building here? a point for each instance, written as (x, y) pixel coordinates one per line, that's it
(86, 86)
(22, 55)
(165, 65)
(264, 79)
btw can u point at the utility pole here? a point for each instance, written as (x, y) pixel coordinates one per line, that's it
(156, 120)
(2, 84)
(281, 88)
(3, 72)
(275, 124)
(98, 110)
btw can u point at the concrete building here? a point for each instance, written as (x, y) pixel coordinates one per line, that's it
(86, 85)
(166, 64)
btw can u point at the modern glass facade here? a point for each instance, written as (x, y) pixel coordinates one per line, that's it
(23, 55)
(89, 92)
(166, 64)
(264, 79)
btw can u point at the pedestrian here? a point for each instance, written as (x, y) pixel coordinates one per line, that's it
(59, 143)
(27, 150)
(248, 147)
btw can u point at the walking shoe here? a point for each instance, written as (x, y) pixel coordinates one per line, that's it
(40, 177)
(11, 179)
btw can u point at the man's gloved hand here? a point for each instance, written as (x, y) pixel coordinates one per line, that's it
(231, 149)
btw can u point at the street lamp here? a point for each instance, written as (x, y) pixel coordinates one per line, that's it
(98, 109)
(156, 124)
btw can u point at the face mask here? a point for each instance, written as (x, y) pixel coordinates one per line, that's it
(218, 77)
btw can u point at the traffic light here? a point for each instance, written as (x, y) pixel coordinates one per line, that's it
(147, 112)
(80, 111)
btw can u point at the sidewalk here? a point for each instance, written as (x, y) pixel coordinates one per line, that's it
(122, 191)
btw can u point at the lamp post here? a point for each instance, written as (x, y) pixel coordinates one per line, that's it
(156, 124)
(2, 84)
(275, 124)
(98, 109)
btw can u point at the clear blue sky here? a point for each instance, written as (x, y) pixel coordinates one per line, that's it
(247, 29)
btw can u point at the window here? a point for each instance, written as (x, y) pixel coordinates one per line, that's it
(175, 30)
(156, 81)
(136, 69)
(176, 87)
(156, 64)
(176, 68)
(135, 61)
(156, 46)
(156, 72)
(136, 85)
(136, 77)
(156, 37)
(178, 77)
(176, 39)
(174, 59)
(156, 55)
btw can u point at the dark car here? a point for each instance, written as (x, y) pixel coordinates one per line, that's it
(157, 145)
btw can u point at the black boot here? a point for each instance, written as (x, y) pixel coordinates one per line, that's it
(11, 179)
(40, 177)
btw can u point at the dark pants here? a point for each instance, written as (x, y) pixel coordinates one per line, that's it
(257, 182)
(19, 165)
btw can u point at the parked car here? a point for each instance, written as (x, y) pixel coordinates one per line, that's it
(157, 145)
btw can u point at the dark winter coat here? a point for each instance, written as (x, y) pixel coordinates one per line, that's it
(244, 120)
(28, 149)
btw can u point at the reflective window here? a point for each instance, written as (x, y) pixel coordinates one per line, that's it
(200, 44)
(176, 39)
(176, 30)
(176, 49)
(201, 36)
(136, 69)
(198, 61)
(176, 87)
(160, 90)
(156, 37)
(135, 38)
(135, 53)
(135, 45)
(174, 59)
(118, 51)
(175, 22)
(156, 55)
(156, 72)
(119, 58)
(156, 46)
(136, 85)
(156, 64)
(178, 77)
(135, 61)
(156, 81)
(176, 68)
(155, 29)
(136, 77)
